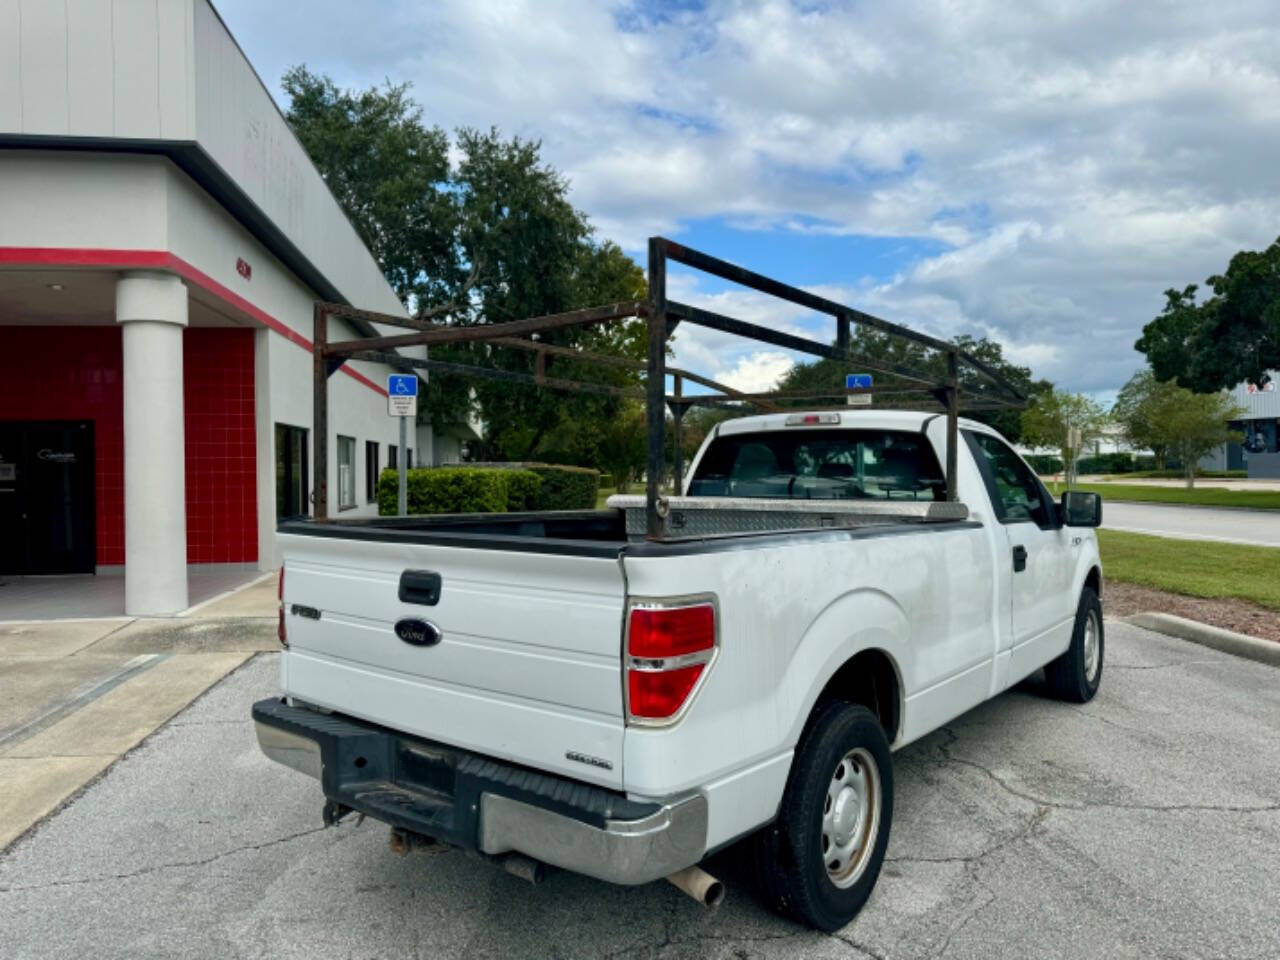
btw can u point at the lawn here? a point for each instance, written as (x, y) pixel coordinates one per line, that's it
(1195, 568)
(1198, 496)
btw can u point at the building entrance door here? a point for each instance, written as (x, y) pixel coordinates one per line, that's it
(46, 497)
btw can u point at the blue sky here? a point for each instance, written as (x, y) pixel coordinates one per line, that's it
(1038, 173)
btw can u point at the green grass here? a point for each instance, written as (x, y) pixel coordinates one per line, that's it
(1199, 496)
(1179, 475)
(1195, 568)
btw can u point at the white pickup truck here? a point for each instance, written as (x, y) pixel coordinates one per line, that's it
(554, 688)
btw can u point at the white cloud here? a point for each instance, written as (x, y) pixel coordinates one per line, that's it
(756, 372)
(1074, 160)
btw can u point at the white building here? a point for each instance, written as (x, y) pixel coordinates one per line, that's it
(1259, 453)
(163, 236)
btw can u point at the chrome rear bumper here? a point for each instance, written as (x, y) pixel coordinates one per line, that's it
(481, 803)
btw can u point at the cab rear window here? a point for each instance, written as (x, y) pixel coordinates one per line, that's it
(808, 464)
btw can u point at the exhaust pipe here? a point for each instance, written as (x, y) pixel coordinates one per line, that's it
(405, 842)
(700, 885)
(526, 868)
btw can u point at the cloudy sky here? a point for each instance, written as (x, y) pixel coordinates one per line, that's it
(1037, 173)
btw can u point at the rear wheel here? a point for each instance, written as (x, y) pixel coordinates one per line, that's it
(1076, 675)
(819, 861)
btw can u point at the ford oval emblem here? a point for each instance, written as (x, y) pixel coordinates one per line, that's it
(420, 633)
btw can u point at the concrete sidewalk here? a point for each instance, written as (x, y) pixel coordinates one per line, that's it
(77, 695)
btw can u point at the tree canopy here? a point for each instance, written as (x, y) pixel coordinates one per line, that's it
(1174, 421)
(1229, 337)
(1065, 422)
(887, 350)
(488, 238)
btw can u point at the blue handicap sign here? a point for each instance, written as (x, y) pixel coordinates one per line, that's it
(853, 381)
(400, 385)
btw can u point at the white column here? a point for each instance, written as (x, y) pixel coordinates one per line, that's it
(153, 309)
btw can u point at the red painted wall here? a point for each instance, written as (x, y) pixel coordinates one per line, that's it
(74, 373)
(222, 490)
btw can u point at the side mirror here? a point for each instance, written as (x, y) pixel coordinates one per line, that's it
(1081, 509)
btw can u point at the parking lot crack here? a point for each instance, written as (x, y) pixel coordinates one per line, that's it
(155, 868)
(1159, 666)
(949, 757)
(1028, 828)
(862, 948)
(968, 918)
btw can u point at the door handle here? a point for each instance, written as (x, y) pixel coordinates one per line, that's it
(1019, 558)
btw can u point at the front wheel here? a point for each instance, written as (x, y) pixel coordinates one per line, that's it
(819, 861)
(1076, 675)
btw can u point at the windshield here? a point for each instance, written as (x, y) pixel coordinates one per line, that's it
(808, 464)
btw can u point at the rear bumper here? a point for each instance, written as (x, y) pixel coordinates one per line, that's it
(479, 803)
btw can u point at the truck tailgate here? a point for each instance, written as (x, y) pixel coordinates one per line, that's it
(527, 668)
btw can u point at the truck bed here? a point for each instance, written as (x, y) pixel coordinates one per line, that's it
(604, 533)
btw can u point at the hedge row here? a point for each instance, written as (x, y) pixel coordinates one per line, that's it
(565, 488)
(1106, 463)
(1043, 464)
(490, 489)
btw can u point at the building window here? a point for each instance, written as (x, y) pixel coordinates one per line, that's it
(370, 471)
(408, 458)
(346, 473)
(392, 462)
(292, 487)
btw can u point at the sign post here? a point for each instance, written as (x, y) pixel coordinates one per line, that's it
(402, 402)
(858, 381)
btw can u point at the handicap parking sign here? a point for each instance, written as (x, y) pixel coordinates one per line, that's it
(400, 385)
(402, 395)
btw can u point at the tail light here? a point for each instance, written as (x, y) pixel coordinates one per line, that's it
(670, 646)
(280, 630)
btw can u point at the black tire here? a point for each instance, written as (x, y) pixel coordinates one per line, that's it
(790, 854)
(1075, 676)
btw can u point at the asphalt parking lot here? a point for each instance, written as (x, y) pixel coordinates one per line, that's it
(1144, 824)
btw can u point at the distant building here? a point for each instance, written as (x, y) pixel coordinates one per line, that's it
(1259, 452)
(163, 236)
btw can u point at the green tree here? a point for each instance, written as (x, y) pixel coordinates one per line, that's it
(1065, 422)
(622, 448)
(390, 172)
(1230, 337)
(490, 239)
(886, 350)
(1172, 420)
(1198, 425)
(1142, 410)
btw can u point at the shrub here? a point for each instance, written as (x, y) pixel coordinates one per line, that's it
(459, 490)
(1042, 463)
(1106, 463)
(565, 488)
(606, 481)
(522, 489)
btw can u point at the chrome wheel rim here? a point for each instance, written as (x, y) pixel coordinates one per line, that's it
(850, 817)
(1092, 648)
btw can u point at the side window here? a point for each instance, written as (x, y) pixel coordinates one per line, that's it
(1015, 490)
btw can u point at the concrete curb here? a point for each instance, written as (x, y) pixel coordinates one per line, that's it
(1228, 641)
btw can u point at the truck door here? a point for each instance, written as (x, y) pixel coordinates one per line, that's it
(1038, 557)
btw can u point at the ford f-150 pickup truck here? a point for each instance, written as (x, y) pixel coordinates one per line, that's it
(554, 688)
